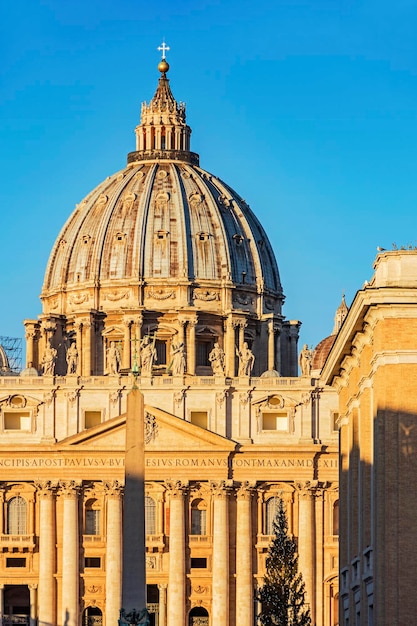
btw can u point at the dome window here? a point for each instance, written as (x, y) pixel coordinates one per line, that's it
(203, 236)
(161, 235)
(238, 239)
(120, 236)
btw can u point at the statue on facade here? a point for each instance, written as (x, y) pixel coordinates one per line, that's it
(114, 358)
(216, 358)
(49, 360)
(178, 359)
(147, 355)
(134, 617)
(72, 358)
(304, 360)
(246, 360)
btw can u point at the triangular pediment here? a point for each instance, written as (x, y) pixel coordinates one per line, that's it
(171, 434)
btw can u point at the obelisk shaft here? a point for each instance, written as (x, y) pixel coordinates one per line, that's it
(134, 568)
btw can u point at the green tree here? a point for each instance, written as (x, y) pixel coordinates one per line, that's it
(282, 595)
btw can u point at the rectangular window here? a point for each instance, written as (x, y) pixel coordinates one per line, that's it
(92, 561)
(17, 421)
(199, 563)
(275, 421)
(92, 522)
(15, 562)
(199, 418)
(335, 420)
(92, 418)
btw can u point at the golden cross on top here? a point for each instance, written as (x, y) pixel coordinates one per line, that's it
(163, 48)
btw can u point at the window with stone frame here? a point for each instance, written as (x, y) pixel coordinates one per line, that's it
(92, 517)
(150, 516)
(335, 520)
(198, 517)
(271, 508)
(16, 520)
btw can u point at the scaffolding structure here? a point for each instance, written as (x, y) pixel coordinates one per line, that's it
(13, 347)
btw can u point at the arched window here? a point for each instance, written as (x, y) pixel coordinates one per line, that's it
(198, 517)
(271, 511)
(198, 616)
(92, 517)
(17, 516)
(336, 518)
(150, 516)
(92, 616)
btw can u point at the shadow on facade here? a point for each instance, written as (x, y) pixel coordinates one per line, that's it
(378, 518)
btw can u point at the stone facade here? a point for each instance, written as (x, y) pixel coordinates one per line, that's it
(163, 274)
(373, 366)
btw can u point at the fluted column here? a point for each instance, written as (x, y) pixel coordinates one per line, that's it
(230, 347)
(244, 574)
(271, 345)
(242, 326)
(32, 602)
(47, 554)
(162, 604)
(191, 347)
(113, 552)
(80, 347)
(70, 555)
(220, 568)
(127, 322)
(306, 541)
(30, 336)
(87, 326)
(176, 584)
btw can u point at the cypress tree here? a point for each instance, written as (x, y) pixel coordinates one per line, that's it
(282, 595)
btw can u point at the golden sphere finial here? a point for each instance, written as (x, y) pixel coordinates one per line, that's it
(163, 66)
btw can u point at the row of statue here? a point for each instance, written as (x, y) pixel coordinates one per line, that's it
(148, 357)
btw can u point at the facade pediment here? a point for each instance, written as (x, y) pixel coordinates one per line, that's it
(170, 433)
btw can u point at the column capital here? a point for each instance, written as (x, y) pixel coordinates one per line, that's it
(310, 488)
(45, 488)
(69, 489)
(246, 490)
(221, 488)
(162, 586)
(176, 488)
(33, 586)
(113, 488)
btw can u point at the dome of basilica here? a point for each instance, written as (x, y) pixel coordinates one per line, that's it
(162, 249)
(159, 223)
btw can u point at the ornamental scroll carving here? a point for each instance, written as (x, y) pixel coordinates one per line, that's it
(161, 294)
(151, 427)
(206, 295)
(78, 298)
(115, 295)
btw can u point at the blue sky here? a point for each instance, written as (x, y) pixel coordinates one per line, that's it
(307, 108)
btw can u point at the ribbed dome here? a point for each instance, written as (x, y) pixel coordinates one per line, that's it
(162, 221)
(163, 251)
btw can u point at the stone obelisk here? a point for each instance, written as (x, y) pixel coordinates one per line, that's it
(134, 568)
